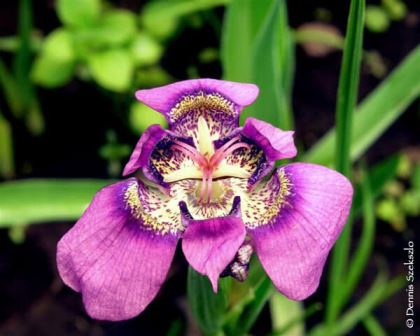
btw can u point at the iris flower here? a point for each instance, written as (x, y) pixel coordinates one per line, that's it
(213, 185)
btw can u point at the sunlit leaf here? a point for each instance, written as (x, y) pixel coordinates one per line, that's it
(50, 72)
(145, 49)
(112, 69)
(58, 45)
(43, 200)
(78, 13)
(142, 116)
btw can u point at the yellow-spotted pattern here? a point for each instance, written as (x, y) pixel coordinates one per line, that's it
(263, 204)
(219, 113)
(154, 210)
(201, 101)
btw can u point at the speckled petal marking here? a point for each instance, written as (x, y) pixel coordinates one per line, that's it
(263, 204)
(154, 210)
(219, 113)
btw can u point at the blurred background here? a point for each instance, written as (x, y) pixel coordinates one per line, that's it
(69, 120)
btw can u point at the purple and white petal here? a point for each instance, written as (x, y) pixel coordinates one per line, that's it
(118, 255)
(144, 148)
(294, 220)
(211, 244)
(183, 103)
(276, 143)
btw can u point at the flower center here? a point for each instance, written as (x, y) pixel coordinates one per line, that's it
(207, 158)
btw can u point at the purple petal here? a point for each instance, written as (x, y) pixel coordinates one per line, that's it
(211, 244)
(184, 103)
(144, 148)
(112, 258)
(162, 99)
(294, 245)
(276, 143)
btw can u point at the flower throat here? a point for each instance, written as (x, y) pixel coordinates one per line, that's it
(206, 158)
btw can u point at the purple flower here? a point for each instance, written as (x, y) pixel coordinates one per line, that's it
(211, 183)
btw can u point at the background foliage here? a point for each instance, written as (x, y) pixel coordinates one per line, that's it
(68, 121)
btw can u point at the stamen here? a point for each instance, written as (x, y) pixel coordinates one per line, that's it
(191, 152)
(209, 165)
(209, 187)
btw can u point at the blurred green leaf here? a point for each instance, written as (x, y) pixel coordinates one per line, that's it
(284, 311)
(10, 90)
(379, 175)
(22, 60)
(145, 49)
(376, 112)
(298, 320)
(58, 45)
(160, 18)
(364, 247)
(50, 72)
(380, 291)
(271, 65)
(373, 326)
(251, 312)
(243, 21)
(396, 9)
(415, 178)
(17, 234)
(142, 116)
(207, 307)
(257, 47)
(377, 20)
(346, 101)
(112, 69)
(6, 149)
(78, 13)
(42, 200)
(114, 28)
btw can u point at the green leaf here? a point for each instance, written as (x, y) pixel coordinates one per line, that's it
(257, 47)
(242, 23)
(43, 200)
(271, 66)
(380, 291)
(50, 72)
(377, 20)
(142, 116)
(376, 112)
(373, 326)
(22, 61)
(58, 45)
(379, 175)
(146, 50)
(346, 101)
(364, 245)
(112, 69)
(251, 312)
(207, 307)
(78, 13)
(10, 90)
(6, 149)
(285, 311)
(114, 28)
(160, 18)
